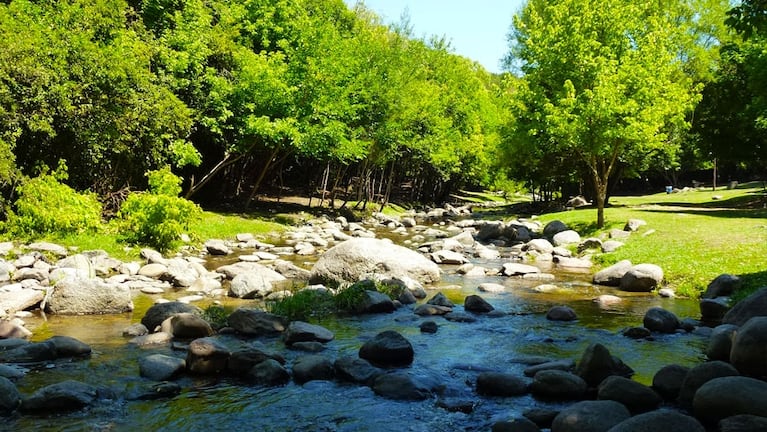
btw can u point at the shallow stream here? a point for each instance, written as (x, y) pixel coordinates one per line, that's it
(452, 357)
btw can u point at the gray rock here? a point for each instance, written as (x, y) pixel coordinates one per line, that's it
(611, 276)
(351, 260)
(724, 397)
(561, 313)
(12, 329)
(430, 310)
(388, 349)
(565, 238)
(72, 296)
(642, 278)
(158, 338)
(186, 325)
(589, 243)
(660, 420)
(153, 270)
(515, 425)
(356, 370)
(373, 302)
(10, 398)
(611, 246)
(558, 384)
(491, 287)
(206, 356)
(256, 322)
(700, 375)
(428, 327)
(637, 332)
(268, 373)
(590, 416)
(401, 386)
(448, 257)
(440, 299)
(52, 248)
(312, 367)
(554, 227)
(657, 319)
(29, 353)
(572, 263)
(160, 367)
(242, 361)
(633, 395)
(158, 313)
(562, 365)
(633, 225)
(597, 363)
(743, 423)
(475, 303)
(712, 310)
(516, 269)
(720, 342)
(751, 306)
(12, 372)
(667, 382)
(65, 346)
(291, 271)
(749, 348)
(460, 317)
(217, 247)
(722, 285)
(81, 264)
(540, 245)
(299, 331)
(256, 283)
(500, 384)
(66, 395)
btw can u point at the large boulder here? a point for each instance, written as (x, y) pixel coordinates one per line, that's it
(256, 322)
(76, 296)
(597, 363)
(299, 331)
(256, 283)
(743, 423)
(660, 420)
(269, 373)
(749, 307)
(388, 349)
(354, 259)
(186, 326)
(729, 396)
(720, 342)
(749, 348)
(722, 285)
(700, 375)
(642, 278)
(554, 227)
(160, 367)
(500, 384)
(158, 313)
(635, 396)
(558, 384)
(312, 367)
(476, 304)
(668, 381)
(207, 356)
(611, 276)
(660, 320)
(66, 395)
(10, 398)
(590, 416)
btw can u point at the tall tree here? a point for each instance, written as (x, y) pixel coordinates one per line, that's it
(604, 81)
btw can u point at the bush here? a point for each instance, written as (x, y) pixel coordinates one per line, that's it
(157, 218)
(46, 205)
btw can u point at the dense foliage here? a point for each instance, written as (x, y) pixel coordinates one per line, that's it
(158, 217)
(242, 96)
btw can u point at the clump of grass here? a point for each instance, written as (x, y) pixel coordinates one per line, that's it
(303, 305)
(349, 298)
(216, 315)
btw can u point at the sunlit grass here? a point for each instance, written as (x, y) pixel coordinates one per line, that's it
(693, 237)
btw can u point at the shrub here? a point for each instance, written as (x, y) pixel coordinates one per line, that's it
(46, 205)
(348, 299)
(157, 218)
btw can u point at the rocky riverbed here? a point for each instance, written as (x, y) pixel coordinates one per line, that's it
(497, 325)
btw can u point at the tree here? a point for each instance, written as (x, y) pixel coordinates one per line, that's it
(604, 82)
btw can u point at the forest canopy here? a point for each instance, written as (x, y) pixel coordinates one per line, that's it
(242, 97)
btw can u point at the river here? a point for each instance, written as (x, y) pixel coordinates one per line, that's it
(452, 357)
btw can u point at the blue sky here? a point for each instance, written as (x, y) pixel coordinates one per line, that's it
(475, 28)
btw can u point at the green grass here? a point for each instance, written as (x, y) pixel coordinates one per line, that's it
(695, 238)
(227, 225)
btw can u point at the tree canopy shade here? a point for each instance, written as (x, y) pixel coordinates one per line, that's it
(603, 82)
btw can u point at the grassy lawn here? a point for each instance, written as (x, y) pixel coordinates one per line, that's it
(692, 236)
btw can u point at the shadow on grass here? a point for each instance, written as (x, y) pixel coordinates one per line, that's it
(284, 212)
(751, 205)
(751, 283)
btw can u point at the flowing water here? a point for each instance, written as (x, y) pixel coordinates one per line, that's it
(452, 358)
